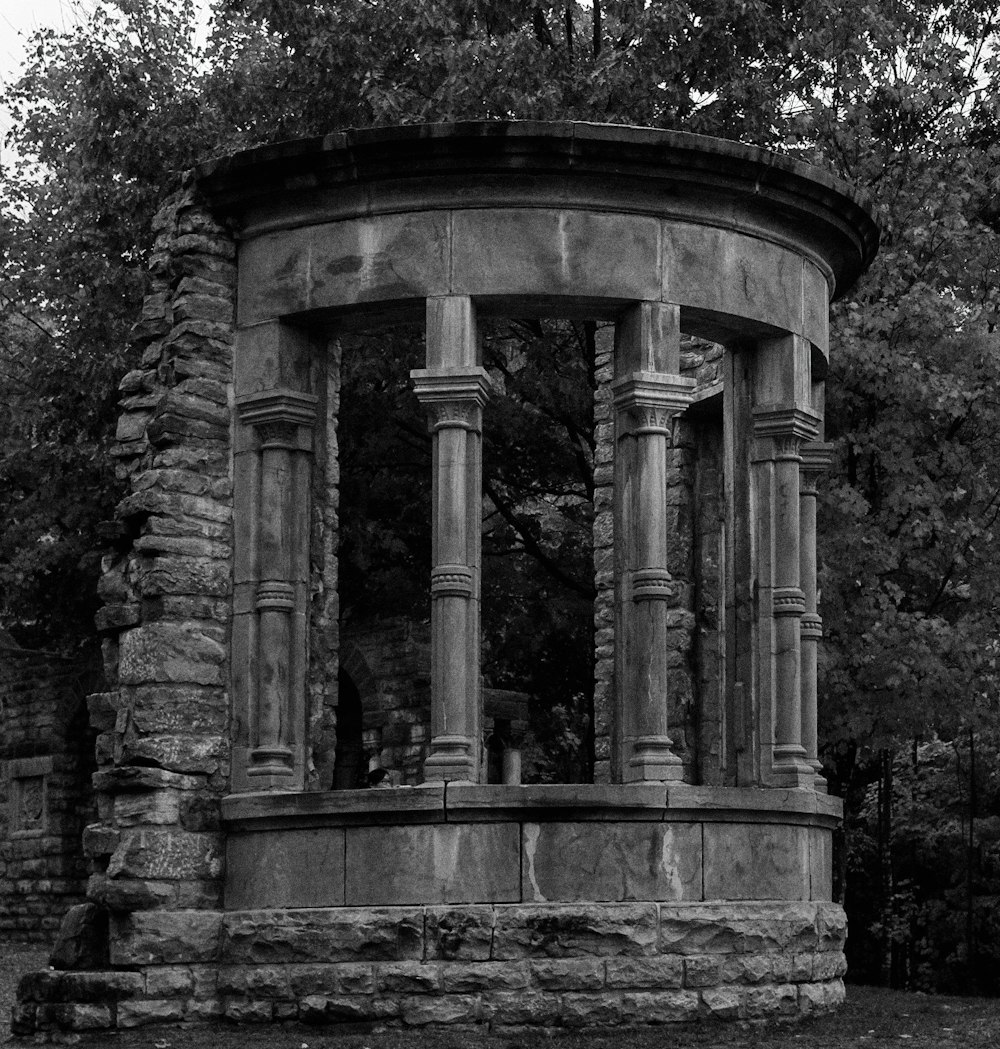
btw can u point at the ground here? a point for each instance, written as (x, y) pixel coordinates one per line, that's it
(873, 1018)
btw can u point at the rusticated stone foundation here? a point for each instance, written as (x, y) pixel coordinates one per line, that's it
(503, 965)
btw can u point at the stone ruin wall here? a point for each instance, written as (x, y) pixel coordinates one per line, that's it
(46, 760)
(163, 743)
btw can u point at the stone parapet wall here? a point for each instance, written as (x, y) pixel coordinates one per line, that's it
(502, 965)
(46, 758)
(163, 743)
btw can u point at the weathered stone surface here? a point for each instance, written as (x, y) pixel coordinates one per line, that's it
(293, 868)
(100, 840)
(336, 934)
(455, 1008)
(517, 1008)
(769, 999)
(73, 1016)
(408, 978)
(150, 1011)
(83, 939)
(170, 652)
(462, 978)
(725, 928)
(242, 1010)
(821, 997)
(656, 1007)
(564, 931)
(756, 861)
(568, 974)
(254, 981)
(519, 251)
(459, 933)
(166, 938)
(177, 752)
(126, 778)
(645, 973)
(131, 894)
(346, 978)
(167, 854)
(721, 1002)
(154, 807)
(445, 863)
(702, 970)
(828, 965)
(593, 1010)
(170, 981)
(611, 861)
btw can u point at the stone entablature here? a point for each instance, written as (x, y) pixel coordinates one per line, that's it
(222, 616)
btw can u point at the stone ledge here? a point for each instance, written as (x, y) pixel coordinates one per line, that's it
(537, 802)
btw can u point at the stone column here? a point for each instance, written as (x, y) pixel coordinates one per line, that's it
(816, 457)
(279, 487)
(780, 427)
(648, 394)
(454, 388)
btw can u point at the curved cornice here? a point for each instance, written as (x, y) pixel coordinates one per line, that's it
(603, 167)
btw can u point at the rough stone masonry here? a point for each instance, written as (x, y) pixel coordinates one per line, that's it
(693, 877)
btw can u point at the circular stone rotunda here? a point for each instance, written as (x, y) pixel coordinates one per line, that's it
(693, 877)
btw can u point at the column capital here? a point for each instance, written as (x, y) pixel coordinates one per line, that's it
(277, 407)
(453, 397)
(817, 457)
(785, 421)
(652, 399)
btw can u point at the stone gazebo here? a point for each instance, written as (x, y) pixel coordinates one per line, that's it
(694, 877)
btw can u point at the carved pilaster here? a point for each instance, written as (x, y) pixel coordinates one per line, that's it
(779, 431)
(276, 651)
(816, 459)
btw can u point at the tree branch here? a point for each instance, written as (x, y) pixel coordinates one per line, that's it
(532, 547)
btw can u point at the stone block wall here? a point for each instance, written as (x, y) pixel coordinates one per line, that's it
(502, 965)
(163, 743)
(46, 759)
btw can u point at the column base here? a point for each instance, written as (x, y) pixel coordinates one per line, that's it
(791, 769)
(654, 762)
(271, 761)
(452, 759)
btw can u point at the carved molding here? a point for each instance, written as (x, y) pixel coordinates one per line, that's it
(786, 421)
(453, 397)
(653, 584)
(272, 594)
(788, 601)
(451, 581)
(277, 406)
(816, 458)
(811, 626)
(651, 400)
